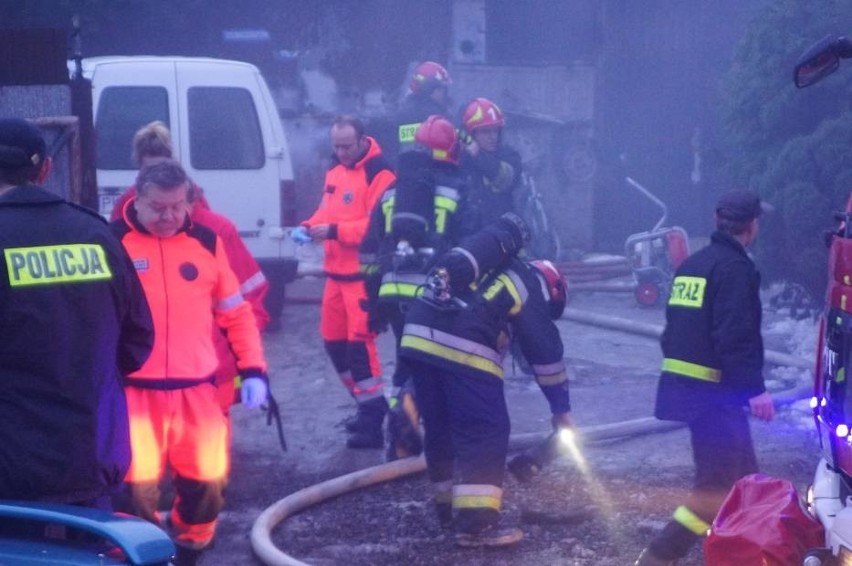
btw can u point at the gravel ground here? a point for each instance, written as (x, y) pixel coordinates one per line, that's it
(599, 513)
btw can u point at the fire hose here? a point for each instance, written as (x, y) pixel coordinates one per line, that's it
(292, 504)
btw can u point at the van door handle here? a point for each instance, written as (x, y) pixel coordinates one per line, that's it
(275, 153)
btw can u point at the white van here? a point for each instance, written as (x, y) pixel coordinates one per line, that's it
(226, 133)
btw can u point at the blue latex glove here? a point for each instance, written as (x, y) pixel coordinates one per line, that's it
(253, 392)
(300, 235)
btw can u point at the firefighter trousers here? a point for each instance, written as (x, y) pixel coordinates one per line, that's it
(184, 428)
(466, 422)
(723, 452)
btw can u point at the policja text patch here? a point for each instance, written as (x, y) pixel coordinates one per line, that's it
(49, 265)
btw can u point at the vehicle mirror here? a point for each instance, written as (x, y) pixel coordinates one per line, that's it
(820, 60)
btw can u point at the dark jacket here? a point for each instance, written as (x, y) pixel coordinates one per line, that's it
(427, 207)
(472, 340)
(493, 178)
(73, 319)
(396, 135)
(712, 346)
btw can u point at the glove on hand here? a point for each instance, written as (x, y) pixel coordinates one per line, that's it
(253, 392)
(300, 235)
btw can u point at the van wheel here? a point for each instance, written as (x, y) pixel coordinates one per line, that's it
(278, 273)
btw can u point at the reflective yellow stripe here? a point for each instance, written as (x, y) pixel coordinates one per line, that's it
(477, 497)
(688, 291)
(407, 131)
(476, 502)
(51, 265)
(400, 290)
(689, 369)
(448, 353)
(441, 220)
(503, 281)
(691, 521)
(387, 210)
(446, 203)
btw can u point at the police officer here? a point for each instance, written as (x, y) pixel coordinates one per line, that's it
(712, 369)
(493, 169)
(453, 344)
(74, 320)
(421, 216)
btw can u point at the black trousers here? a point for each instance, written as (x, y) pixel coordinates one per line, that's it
(723, 452)
(467, 430)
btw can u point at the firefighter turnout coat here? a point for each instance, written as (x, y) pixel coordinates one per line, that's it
(73, 319)
(712, 346)
(493, 178)
(447, 219)
(455, 351)
(473, 339)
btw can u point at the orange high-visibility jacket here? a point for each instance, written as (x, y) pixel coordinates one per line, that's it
(349, 197)
(190, 287)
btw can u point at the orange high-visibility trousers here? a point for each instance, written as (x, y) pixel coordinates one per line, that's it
(186, 429)
(349, 343)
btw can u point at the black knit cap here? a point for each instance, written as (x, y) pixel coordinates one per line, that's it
(741, 205)
(21, 144)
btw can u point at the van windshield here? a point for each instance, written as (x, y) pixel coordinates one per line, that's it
(122, 110)
(224, 132)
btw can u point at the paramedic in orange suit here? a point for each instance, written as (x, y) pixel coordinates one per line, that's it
(175, 416)
(152, 144)
(354, 184)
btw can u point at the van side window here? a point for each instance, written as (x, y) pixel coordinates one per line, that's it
(121, 111)
(223, 129)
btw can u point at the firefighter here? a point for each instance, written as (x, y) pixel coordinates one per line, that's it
(421, 216)
(175, 415)
(74, 321)
(712, 368)
(428, 94)
(493, 169)
(454, 346)
(354, 184)
(152, 144)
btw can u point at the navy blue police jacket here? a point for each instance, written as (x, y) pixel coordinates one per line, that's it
(74, 319)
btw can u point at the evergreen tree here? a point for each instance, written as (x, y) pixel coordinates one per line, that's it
(792, 146)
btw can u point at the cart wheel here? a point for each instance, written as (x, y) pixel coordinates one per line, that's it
(647, 294)
(818, 557)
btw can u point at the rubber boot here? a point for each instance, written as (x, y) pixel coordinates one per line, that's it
(351, 423)
(648, 559)
(367, 432)
(492, 535)
(444, 512)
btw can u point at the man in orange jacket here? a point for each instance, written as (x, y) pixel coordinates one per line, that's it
(175, 416)
(152, 144)
(353, 185)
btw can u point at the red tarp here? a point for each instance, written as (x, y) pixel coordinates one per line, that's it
(762, 522)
